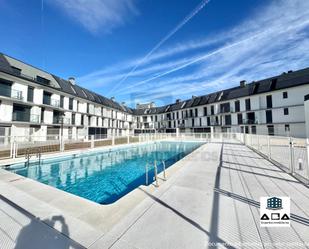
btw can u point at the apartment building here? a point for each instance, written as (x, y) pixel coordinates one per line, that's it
(273, 106)
(34, 102)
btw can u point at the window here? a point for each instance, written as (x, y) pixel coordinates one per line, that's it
(70, 103)
(30, 94)
(285, 95)
(42, 80)
(286, 111)
(21, 113)
(287, 128)
(82, 120)
(61, 101)
(253, 129)
(208, 121)
(269, 116)
(225, 107)
(156, 118)
(191, 113)
(192, 122)
(269, 102)
(248, 105)
(196, 112)
(271, 130)
(5, 88)
(237, 106)
(42, 114)
(46, 98)
(228, 120)
(16, 70)
(239, 118)
(205, 111)
(73, 118)
(212, 110)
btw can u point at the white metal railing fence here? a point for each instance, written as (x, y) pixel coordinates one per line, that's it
(290, 153)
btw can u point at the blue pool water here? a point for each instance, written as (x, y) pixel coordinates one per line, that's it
(105, 176)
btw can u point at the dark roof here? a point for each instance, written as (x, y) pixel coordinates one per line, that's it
(67, 87)
(282, 81)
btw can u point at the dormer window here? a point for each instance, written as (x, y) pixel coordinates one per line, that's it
(42, 80)
(16, 70)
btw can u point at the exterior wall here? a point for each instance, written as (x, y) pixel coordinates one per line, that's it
(6, 111)
(306, 108)
(119, 122)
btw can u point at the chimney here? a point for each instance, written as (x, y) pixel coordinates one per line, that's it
(178, 101)
(242, 83)
(290, 71)
(71, 80)
(193, 96)
(113, 98)
(123, 103)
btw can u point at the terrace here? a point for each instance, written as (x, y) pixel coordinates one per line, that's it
(210, 199)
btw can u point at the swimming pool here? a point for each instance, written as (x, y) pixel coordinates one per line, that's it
(107, 175)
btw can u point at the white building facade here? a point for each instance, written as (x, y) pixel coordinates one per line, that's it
(36, 103)
(39, 104)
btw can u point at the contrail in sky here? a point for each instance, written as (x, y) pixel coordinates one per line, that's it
(201, 58)
(161, 42)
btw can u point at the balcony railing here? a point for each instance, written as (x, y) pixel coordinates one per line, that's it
(61, 120)
(250, 121)
(17, 94)
(55, 102)
(26, 117)
(7, 91)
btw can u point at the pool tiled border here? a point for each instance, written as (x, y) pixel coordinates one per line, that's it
(87, 220)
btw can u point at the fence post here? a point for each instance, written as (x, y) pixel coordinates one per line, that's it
(307, 147)
(128, 139)
(291, 155)
(12, 147)
(268, 147)
(92, 141)
(61, 144)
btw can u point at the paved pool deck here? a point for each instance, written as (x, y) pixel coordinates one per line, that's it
(210, 201)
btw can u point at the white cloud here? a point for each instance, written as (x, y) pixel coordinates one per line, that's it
(97, 15)
(270, 41)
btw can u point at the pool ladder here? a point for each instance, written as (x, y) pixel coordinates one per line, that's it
(155, 178)
(28, 156)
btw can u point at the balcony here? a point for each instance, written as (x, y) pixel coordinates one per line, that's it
(55, 102)
(7, 91)
(25, 117)
(250, 121)
(225, 110)
(61, 120)
(17, 94)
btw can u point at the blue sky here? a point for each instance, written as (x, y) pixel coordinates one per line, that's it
(141, 50)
